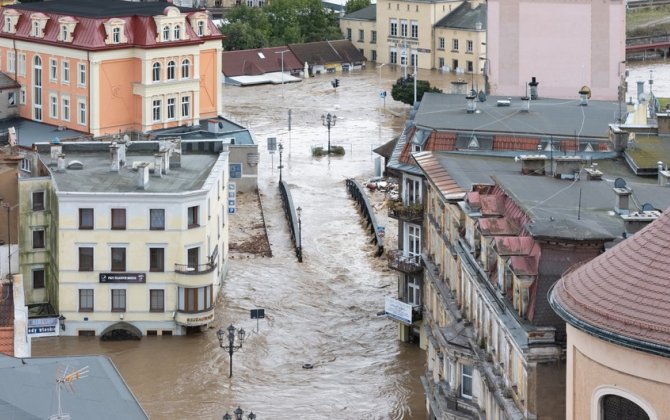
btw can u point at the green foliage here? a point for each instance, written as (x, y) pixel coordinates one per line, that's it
(353, 5)
(334, 150)
(337, 150)
(403, 90)
(279, 23)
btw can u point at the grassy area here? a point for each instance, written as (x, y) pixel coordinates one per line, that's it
(648, 20)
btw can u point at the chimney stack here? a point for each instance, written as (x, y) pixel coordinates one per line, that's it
(114, 157)
(623, 194)
(61, 163)
(533, 87)
(158, 165)
(142, 175)
(663, 175)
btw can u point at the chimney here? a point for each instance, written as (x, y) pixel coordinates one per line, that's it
(165, 154)
(533, 87)
(584, 96)
(175, 160)
(61, 163)
(55, 149)
(122, 154)
(142, 175)
(114, 157)
(634, 222)
(34, 164)
(533, 164)
(567, 167)
(663, 175)
(622, 194)
(525, 104)
(471, 105)
(158, 165)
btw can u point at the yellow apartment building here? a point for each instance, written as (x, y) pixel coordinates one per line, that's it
(106, 67)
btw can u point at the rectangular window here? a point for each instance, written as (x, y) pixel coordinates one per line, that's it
(193, 216)
(53, 106)
(22, 64)
(81, 112)
(403, 28)
(156, 259)
(235, 170)
(118, 300)
(66, 72)
(454, 65)
(185, 106)
(11, 98)
(38, 278)
(441, 62)
(156, 110)
(393, 57)
(118, 259)
(441, 44)
(454, 44)
(85, 218)
(470, 66)
(53, 69)
(171, 108)
(157, 219)
(466, 382)
(393, 29)
(469, 46)
(373, 55)
(85, 258)
(85, 300)
(38, 239)
(157, 300)
(349, 34)
(66, 108)
(195, 299)
(22, 96)
(81, 75)
(11, 61)
(373, 37)
(38, 200)
(415, 29)
(361, 35)
(118, 219)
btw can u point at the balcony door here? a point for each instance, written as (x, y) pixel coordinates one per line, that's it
(412, 190)
(193, 257)
(412, 240)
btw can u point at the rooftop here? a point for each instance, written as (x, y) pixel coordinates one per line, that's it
(259, 61)
(622, 295)
(465, 17)
(366, 13)
(96, 174)
(28, 389)
(98, 9)
(213, 128)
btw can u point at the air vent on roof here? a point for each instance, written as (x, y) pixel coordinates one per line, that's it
(75, 164)
(504, 102)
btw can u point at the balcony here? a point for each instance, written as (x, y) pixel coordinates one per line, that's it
(194, 269)
(194, 318)
(412, 213)
(408, 264)
(402, 311)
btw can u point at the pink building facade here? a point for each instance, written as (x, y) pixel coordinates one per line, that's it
(564, 44)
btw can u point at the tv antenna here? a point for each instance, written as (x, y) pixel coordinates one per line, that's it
(65, 379)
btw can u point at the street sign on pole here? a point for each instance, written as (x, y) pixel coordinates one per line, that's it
(257, 314)
(272, 144)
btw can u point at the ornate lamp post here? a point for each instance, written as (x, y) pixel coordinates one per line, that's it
(231, 347)
(238, 415)
(329, 120)
(281, 150)
(299, 210)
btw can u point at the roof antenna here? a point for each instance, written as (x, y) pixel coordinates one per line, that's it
(66, 380)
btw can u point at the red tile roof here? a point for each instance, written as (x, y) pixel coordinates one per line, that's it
(435, 172)
(515, 143)
(251, 63)
(625, 291)
(441, 141)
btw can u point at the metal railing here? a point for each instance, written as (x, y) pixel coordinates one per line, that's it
(406, 263)
(194, 268)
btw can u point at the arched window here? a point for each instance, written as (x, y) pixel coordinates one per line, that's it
(615, 407)
(116, 35)
(177, 32)
(156, 72)
(185, 69)
(171, 70)
(166, 33)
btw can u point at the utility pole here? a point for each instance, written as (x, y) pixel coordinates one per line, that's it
(282, 69)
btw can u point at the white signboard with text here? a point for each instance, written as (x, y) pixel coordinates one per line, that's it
(398, 310)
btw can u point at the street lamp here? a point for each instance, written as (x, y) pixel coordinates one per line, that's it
(281, 150)
(231, 347)
(329, 120)
(239, 413)
(299, 210)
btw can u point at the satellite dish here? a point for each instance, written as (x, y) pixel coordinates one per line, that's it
(220, 124)
(126, 138)
(619, 183)
(647, 207)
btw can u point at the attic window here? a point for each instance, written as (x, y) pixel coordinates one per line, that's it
(39, 22)
(11, 18)
(198, 22)
(166, 33)
(114, 29)
(201, 28)
(170, 25)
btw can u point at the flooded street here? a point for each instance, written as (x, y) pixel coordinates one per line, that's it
(323, 311)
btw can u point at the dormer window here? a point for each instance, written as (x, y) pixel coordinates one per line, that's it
(67, 25)
(39, 22)
(201, 28)
(170, 25)
(114, 29)
(177, 32)
(166, 33)
(11, 19)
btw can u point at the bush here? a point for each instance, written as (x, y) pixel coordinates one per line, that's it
(334, 150)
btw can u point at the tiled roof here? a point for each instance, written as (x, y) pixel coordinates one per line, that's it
(259, 61)
(438, 176)
(366, 13)
(89, 34)
(326, 52)
(7, 82)
(624, 293)
(465, 17)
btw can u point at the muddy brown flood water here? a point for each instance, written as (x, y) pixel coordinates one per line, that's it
(323, 311)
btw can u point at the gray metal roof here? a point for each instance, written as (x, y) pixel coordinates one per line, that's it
(554, 205)
(547, 117)
(226, 129)
(366, 13)
(465, 17)
(96, 175)
(30, 132)
(28, 389)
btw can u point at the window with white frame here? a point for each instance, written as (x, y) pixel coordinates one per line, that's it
(156, 72)
(186, 68)
(466, 381)
(37, 30)
(393, 27)
(177, 32)
(412, 190)
(156, 114)
(37, 88)
(65, 108)
(403, 28)
(11, 61)
(26, 165)
(53, 106)
(440, 43)
(8, 24)
(454, 44)
(22, 64)
(114, 31)
(171, 70)
(413, 240)
(22, 96)
(65, 73)
(414, 28)
(166, 33)
(81, 112)
(413, 292)
(116, 35)
(201, 28)
(81, 74)
(64, 32)
(469, 46)
(171, 108)
(53, 69)
(185, 106)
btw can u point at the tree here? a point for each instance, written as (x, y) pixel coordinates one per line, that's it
(353, 5)
(403, 90)
(248, 27)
